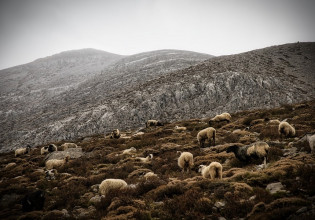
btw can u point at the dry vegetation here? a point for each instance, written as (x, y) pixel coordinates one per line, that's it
(173, 195)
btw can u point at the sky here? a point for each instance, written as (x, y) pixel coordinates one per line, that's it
(31, 29)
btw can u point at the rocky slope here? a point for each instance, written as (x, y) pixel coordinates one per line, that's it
(283, 190)
(128, 97)
(31, 93)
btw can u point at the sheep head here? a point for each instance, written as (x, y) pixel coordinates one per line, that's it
(201, 167)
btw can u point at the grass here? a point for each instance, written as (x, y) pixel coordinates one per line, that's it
(173, 195)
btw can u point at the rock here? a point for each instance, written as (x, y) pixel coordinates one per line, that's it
(252, 198)
(96, 200)
(10, 165)
(81, 213)
(275, 188)
(219, 205)
(289, 151)
(301, 210)
(221, 218)
(72, 152)
(95, 187)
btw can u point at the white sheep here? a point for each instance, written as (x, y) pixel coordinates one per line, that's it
(206, 134)
(56, 163)
(153, 123)
(129, 151)
(286, 129)
(180, 129)
(115, 134)
(111, 184)
(65, 146)
(21, 151)
(213, 170)
(311, 140)
(245, 153)
(185, 161)
(145, 159)
(222, 117)
(149, 175)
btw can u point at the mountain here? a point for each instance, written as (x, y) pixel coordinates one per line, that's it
(284, 189)
(57, 72)
(32, 92)
(262, 78)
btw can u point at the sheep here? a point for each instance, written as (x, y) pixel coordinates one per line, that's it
(52, 148)
(177, 128)
(129, 151)
(50, 174)
(48, 149)
(111, 184)
(145, 159)
(21, 151)
(115, 134)
(185, 161)
(204, 134)
(218, 118)
(213, 170)
(153, 123)
(55, 163)
(311, 140)
(286, 129)
(149, 175)
(44, 150)
(65, 146)
(274, 122)
(33, 201)
(245, 153)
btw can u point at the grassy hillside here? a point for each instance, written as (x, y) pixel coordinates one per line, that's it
(173, 194)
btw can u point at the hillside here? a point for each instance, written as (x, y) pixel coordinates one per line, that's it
(73, 192)
(35, 94)
(125, 98)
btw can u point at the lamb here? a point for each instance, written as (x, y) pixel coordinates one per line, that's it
(213, 170)
(218, 118)
(245, 153)
(115, 134)
(129, 151)
(185, 161)
(286, 129)
(204, 134)
(111, 184)
(65, 146)
(21, 151)
(311, 140)
(145, 159)
(56, 163)
(177, 128)
(153, 123)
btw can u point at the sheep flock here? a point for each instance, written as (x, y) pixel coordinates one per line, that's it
(213, 168)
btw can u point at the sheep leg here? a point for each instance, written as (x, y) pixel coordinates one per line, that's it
(212, 176)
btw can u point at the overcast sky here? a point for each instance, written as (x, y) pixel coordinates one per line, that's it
(30, 29)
